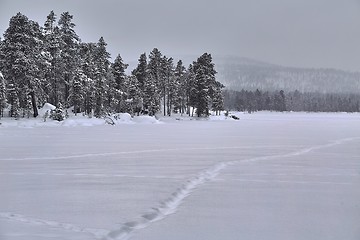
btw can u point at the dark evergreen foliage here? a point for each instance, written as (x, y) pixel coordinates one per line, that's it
(58, 113)
(205, 90)
(22, 61)
(293, 101)
(119, 89)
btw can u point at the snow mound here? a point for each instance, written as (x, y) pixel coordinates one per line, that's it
(45, 108)
(76, 121)
(122, 118)
(145, 119)
(83, 121)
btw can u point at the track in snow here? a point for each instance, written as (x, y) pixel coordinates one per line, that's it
(171, 204)
(165, 208)
(97, 233)
(132, 152)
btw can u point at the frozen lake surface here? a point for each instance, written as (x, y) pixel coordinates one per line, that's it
(267, 176)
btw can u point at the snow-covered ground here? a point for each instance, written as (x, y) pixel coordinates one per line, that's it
(267, 176)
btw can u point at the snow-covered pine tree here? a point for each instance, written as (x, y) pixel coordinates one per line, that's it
(2, 95)
(180, 85)
(151, 96)
(88, 66)
(168, 80)
(205, 84)
(155, 79)
(140, 72)
(118, 71)
(77, 91)
(201, 94)
(55, 66)
(134, 98)
(58, 113)
(21, 59)
(102, 65)
(69, 53)
(218, 99)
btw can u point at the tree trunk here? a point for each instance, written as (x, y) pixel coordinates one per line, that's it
(33, 103)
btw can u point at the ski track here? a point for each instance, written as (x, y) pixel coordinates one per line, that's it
(96, 175)
(284, 181)
(97, 233)
(165, 208)
(134, 152)
(170, 205)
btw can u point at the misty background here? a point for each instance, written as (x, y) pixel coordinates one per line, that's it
(298, 33)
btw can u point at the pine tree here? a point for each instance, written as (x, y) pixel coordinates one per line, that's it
(204, 84)
(118, 71)
(22, 56)
(77, 91)
(218, 99)
(102, 65)
(140, 72)
(155, 79)
(133, 94)
(2, 95)
(58, 113)
(167, 84)
(88, 66)
(180, 87)
(151, 96)
(55, 66)
(69, 53)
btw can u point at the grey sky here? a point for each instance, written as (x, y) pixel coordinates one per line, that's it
(302, 33)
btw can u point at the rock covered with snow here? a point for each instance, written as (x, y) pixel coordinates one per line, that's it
(46, 108)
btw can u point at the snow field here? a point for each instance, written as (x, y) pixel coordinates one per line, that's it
(273, 176)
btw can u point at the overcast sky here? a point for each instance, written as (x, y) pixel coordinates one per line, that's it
(301, 33)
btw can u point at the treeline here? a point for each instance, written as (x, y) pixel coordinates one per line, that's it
(51, 64)
(296, 101)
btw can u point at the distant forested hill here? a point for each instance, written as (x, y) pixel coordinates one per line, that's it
(241, 73)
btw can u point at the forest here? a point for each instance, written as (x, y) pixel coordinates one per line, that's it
(296, 101)
(50, 64)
